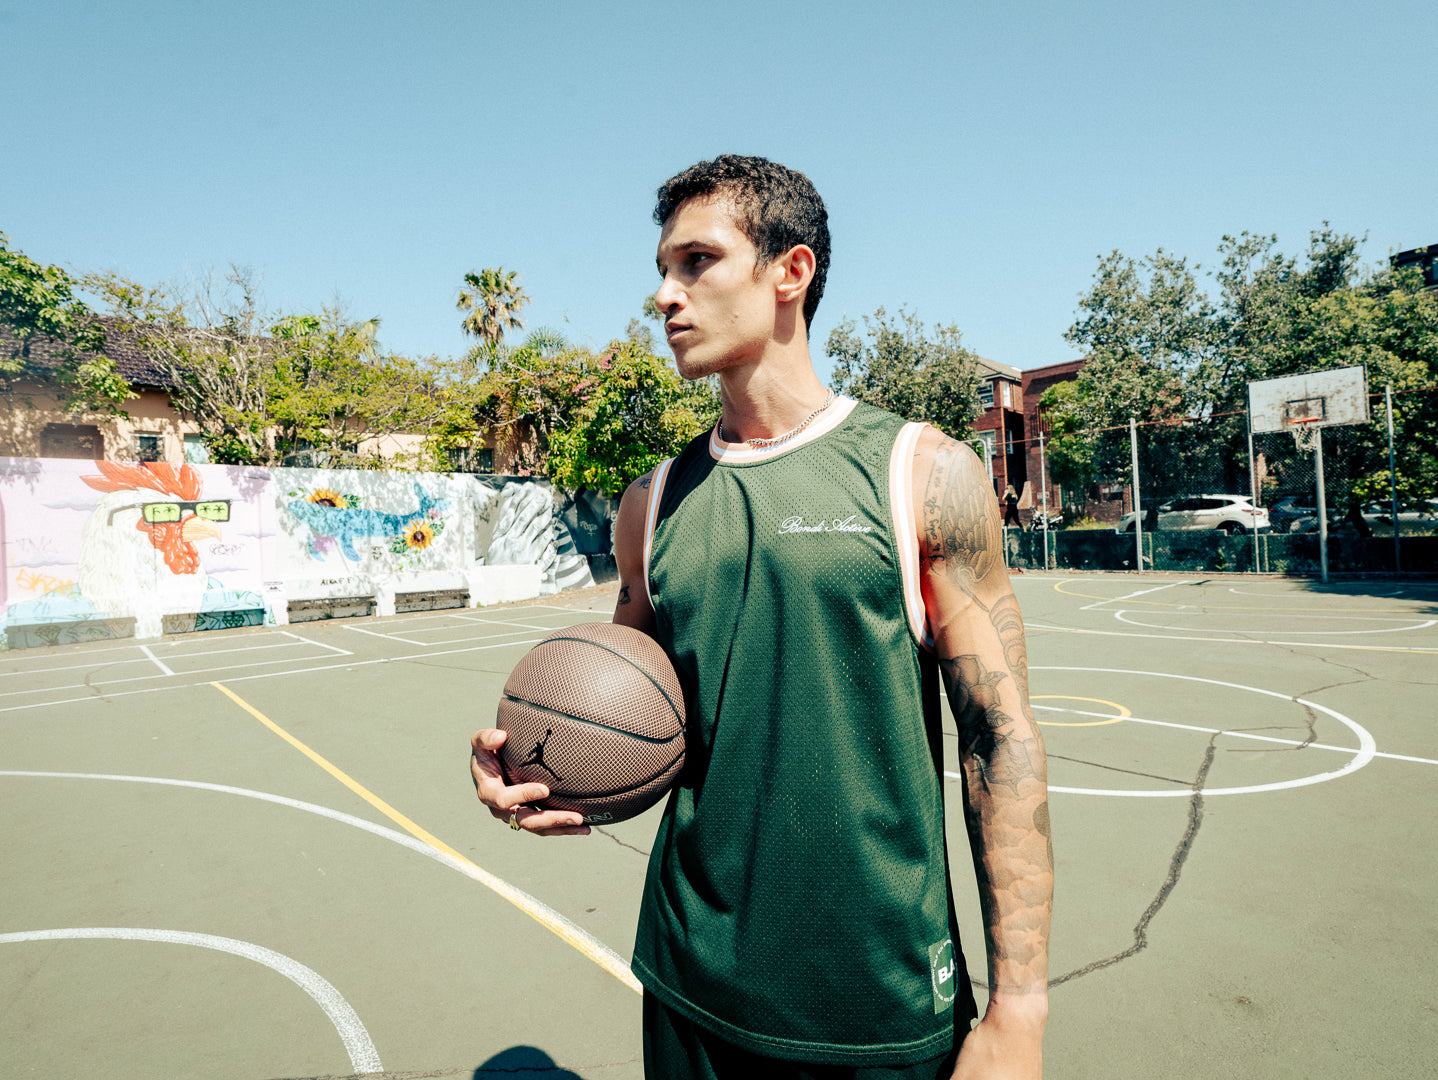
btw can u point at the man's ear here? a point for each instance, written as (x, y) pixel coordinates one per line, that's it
(797, 266)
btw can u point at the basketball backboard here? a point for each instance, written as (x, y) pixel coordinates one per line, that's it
(1314, 399)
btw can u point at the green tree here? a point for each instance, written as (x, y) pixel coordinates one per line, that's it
(38, 302)
(330, 388)
(527, 394)
(634, 412)
(1072, 453)
(492, 300)
(1161, 352)
(901, 366)
(1145, 326)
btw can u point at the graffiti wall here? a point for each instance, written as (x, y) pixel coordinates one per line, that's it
(100, 549)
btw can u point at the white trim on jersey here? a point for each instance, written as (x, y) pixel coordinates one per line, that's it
(651, 518)
(906, 529)
(825, 422)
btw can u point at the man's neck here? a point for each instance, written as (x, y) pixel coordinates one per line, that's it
(770, 398)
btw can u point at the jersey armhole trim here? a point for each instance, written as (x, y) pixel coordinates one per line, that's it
(651, 518)
(906, 533)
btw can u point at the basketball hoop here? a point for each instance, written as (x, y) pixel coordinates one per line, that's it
(1305, 432)
(1304, 417)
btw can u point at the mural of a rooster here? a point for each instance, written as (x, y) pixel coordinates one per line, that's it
(138, 550)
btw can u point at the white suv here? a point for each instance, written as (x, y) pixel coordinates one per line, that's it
(1233, 514)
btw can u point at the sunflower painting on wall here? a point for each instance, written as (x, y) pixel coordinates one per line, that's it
(339, 520)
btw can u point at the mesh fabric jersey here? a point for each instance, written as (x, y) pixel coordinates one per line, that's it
(798, 900)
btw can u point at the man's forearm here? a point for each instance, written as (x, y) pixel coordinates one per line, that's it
(1006, 812)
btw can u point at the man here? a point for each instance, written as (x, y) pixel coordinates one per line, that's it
(814, 566)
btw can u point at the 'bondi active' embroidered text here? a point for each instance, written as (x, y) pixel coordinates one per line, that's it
(796, 525)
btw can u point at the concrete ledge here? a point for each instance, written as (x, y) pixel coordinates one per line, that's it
(431, 600)
(70, 632)
(331, 607)
(211, 620)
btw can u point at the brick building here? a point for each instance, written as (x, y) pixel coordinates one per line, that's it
(1009, 425)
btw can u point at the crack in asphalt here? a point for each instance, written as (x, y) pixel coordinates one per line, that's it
(618, 841)
(1115, 768)
(1170, 881)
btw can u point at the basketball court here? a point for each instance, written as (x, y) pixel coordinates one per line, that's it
(257, 854)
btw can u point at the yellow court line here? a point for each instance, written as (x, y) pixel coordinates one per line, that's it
(1059, 587)
(549, 919)
(1123, 713)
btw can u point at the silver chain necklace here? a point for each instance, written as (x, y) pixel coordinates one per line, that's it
(764, 444)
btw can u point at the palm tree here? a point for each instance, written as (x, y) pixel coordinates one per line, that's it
(492, 299)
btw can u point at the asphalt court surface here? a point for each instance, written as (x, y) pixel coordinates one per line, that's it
(257, 853)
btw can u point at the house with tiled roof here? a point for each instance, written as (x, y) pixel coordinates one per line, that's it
(34, 423)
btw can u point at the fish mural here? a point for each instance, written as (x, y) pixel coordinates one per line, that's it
(337, 519)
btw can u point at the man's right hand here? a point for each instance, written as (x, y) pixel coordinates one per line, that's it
(510, 802)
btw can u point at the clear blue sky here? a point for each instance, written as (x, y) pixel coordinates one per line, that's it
(975, 158)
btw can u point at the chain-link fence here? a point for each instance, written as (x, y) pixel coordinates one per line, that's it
(1205, 495)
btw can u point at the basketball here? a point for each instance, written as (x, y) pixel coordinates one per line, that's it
(596, 714)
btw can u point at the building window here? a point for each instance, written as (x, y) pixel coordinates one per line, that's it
(196, 452)
(473, 459)
(146, 447)
(989, 444)
(1006, 395)
(986, 395)
(72, 441)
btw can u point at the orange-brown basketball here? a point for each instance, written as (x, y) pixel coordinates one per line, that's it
(595, 713)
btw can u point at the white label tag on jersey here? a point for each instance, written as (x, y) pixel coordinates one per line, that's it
(944, 974)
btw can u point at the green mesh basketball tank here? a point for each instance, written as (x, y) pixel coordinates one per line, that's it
(798, 899)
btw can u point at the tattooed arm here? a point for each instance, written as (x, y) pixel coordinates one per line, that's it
(632, 607)
(979, 641)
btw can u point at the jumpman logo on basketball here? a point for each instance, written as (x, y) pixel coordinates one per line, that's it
(536, 756)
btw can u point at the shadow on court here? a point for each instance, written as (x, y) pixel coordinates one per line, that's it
(529, 1062)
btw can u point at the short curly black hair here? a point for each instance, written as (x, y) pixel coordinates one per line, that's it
(775, 207)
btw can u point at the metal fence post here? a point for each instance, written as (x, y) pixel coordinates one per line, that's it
(1322, 506)
(1137, 502)
(1044, 498)
(1252, 481)
(1393, 479)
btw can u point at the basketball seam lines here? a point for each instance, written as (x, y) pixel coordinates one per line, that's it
(593, 723)
(678, 715)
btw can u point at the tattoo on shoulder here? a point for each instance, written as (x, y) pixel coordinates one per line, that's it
(961, 536)
(623, 595)
(644, 483)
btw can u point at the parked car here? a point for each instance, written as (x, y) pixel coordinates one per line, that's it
(1416, 520)
(1291, 508)
(1233, 514)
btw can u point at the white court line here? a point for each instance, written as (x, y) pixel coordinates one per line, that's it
(146, 678)
(317, 644)
(146, 650)
(76, 667)
(1130, 596)
(519, 628)
(1229, 731)
(1119, 615)
(376, 633)
(185, 655)
(1366, 751)
(347, 664)
(532, 906)
(1233, 641)
(363, 1056)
